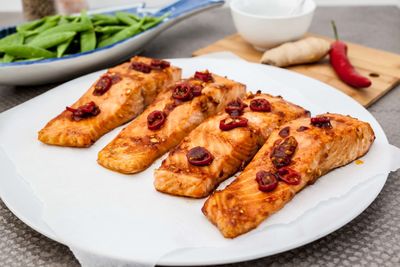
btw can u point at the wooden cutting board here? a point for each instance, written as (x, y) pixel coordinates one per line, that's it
(383, 68)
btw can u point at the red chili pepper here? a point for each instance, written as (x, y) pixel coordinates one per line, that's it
(342, 66)
(267, 181)
(232, 123)
(155, 120)
(289, 176)
(85, 111)
(199, 156)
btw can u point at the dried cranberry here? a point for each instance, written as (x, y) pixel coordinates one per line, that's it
(260, 104)
(85, 111)
(102, 85)
(284, 132)
(302, 128)
(203, 76)
(140, 66)
(183, 92)
(199, 156)
(282, 153)
(158, 64)
(267, 181)
(235, 108)
(231, 123)
(289, 176)
(155, 120)
(321, 122)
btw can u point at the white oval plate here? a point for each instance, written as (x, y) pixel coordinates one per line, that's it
(316, 223)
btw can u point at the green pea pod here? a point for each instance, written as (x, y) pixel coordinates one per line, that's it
(125, 33)
(49, 23)
(15, 38)
(27, 51)
(133, 16)
(101, 19)
(154, 22)
(88, 38)
(52, 39)
(63, 20)
(30, 25)
(7, 58)
(61, 48)
(76, 19)
(109, 29)
(70, 27)
(125, 18)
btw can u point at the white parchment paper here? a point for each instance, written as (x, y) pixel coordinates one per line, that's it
(121, 216)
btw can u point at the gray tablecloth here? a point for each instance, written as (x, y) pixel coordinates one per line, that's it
(372, 239)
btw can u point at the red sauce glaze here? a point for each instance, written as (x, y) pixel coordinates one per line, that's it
(85, 111)
(155, 120)
(204, 76)
(321, 122)
(232, 123)
(289, 176)
(267, 181)
(199, 156)
(235, 108)
(260, 104)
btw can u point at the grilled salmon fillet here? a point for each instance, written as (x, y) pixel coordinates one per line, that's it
(284, 166)
(231, 149)
(115, 98)
(137, 146)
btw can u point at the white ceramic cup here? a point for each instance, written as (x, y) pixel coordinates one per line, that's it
(268, 23)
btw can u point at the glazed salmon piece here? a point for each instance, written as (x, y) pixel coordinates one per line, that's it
(231, 149)
(242, 205)
(136, 147)
(118, 96)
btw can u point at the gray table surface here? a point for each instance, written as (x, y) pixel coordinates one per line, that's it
(371, 239)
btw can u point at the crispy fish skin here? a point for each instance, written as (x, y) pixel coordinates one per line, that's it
(241, 206)
(231, 149)
(125, 100)
(136, 147)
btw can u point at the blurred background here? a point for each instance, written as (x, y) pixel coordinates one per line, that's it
(16, 5)
(11, 12)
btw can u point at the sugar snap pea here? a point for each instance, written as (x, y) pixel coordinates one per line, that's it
(7, 58)
(154, 22)
(88, 38)
(61, 48)
(51, 40)
(109, 29)
(101, 19)
(27, 51)
(125, 33)
(59, 35)
(30, 25)
(49, 23)
(125, 18)
(15, 38)
(70, 27)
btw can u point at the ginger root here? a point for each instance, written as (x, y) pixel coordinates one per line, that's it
(307, 50)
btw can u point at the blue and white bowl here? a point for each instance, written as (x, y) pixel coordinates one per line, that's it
(61, 69)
